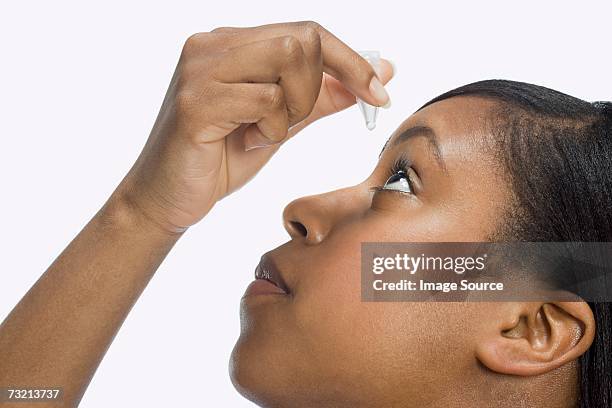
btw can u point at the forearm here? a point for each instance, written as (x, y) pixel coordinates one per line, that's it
(60, 330)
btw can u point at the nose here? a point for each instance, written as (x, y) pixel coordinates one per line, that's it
(312, 218)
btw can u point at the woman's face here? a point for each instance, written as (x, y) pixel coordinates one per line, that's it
(321, 343)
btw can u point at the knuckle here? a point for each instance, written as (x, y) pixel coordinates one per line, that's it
(222, 30)
(189, 73)
(311, 37)
(275, 132)
(201, 69)
(300, 109)
(311, 26)
(291, 48)
(299, 113)
(273, 96)
(192, 42)
(358, 69)
(366, 71)
(279, 127)
(197, 43)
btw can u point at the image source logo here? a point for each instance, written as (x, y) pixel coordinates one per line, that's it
(485, 271)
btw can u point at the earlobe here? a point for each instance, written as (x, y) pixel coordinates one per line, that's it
(534, 338)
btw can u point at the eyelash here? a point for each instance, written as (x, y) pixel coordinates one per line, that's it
(400, 164)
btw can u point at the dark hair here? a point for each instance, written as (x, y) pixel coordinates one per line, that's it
(557, 152)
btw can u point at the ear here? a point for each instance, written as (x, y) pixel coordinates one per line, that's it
(534, 338)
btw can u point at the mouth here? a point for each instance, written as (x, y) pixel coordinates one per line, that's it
(268, 279)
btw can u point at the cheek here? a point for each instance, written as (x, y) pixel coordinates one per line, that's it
(442, 222)
(376, 341)
(381, 341)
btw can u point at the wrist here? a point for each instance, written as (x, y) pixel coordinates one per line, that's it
(124, 212)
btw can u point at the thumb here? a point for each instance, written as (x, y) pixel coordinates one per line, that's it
(334, 97)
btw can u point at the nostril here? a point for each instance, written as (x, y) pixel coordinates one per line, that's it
(299, 228)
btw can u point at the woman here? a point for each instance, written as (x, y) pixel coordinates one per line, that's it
(492, 161)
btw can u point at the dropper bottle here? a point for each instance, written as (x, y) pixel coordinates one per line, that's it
(370, 112)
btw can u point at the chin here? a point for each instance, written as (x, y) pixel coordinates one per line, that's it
(255, 375)
(263, 363)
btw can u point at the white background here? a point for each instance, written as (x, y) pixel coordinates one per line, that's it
(80, 88)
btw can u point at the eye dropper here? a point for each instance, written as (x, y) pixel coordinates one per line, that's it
(368, 111)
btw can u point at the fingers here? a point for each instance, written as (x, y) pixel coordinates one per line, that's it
(338, 59)
(334, 96)
(279, 60)
(348, 67)
(261, 104)
(288, 61)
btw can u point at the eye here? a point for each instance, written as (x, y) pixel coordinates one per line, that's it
(399, 177)
(398, 182)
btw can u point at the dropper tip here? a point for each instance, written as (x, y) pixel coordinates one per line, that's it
(370, 125)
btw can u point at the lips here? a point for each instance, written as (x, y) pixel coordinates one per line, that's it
(268, 271)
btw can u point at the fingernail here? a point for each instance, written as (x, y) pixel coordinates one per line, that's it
(378, 91)
(387, 105)
(253, 139)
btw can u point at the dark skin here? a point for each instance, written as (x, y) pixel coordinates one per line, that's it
(319, 346)
(355, 353)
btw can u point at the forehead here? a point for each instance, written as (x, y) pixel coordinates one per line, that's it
(460, 120)
(469, 192)
(460, 140)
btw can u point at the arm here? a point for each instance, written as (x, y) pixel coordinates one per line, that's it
(57, 335)
(232, 99)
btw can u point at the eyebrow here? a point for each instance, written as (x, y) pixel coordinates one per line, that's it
(419, 131)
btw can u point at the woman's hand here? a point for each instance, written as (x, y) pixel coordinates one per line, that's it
(233, 88)
(236, 95)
